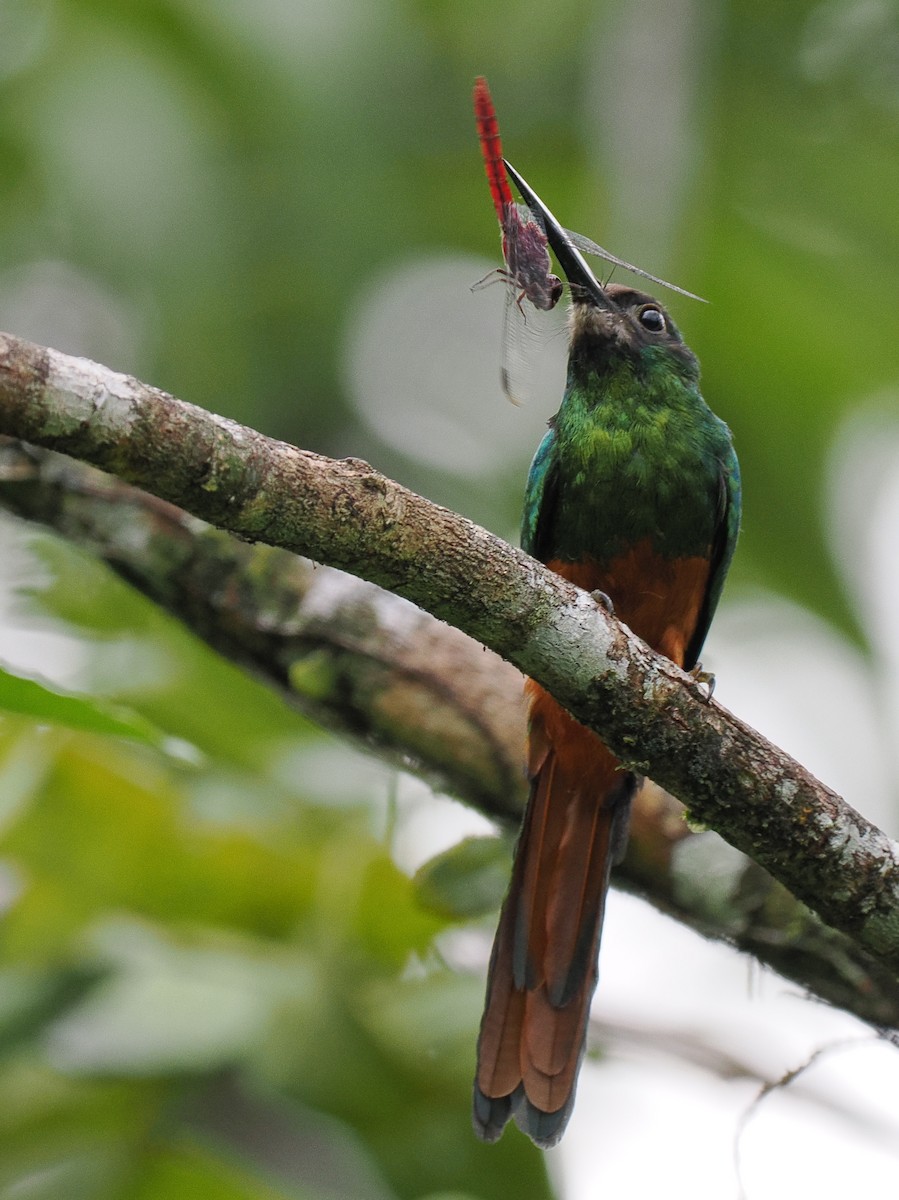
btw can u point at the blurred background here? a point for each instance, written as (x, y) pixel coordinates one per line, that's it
(216, 979)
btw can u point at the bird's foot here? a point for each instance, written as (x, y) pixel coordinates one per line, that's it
(604, 601)
(705, 680)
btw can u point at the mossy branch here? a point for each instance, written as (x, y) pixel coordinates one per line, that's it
(346, 514)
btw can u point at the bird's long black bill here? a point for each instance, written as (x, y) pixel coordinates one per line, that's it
(567, 254)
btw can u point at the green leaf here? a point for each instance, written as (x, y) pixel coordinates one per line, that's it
(28, 698)
(190, 1171)
(468, 880)
(169, 1007)
(431, 1020)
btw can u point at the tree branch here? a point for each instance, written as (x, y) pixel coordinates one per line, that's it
(354, 658)
(419, 693)
(347, 514)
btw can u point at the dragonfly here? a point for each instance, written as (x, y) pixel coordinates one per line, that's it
(525, 250)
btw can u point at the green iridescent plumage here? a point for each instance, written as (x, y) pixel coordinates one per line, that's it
(635, 452)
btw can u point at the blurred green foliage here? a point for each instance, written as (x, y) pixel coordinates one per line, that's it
(214, 982)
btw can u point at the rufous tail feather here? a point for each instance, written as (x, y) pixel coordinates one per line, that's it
(543, 968)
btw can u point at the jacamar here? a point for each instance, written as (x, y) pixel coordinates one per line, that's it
(633, 494)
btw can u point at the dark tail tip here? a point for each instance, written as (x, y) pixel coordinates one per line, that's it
(490, 1116)
(545, 1129)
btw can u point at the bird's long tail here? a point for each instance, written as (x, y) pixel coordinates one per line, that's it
(543, 969)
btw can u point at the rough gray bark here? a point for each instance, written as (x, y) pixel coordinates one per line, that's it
(346, 514)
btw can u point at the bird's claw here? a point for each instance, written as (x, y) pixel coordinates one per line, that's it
(704, 679)
(604, 601)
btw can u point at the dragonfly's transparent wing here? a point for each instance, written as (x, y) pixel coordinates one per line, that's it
(533, 350)
(587, 246)
(512, 373)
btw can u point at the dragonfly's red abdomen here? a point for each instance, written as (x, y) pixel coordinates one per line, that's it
(491, 147)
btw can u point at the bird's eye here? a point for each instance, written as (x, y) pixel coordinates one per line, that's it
(652, 319)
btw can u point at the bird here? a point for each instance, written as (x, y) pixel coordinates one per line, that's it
(633, 495)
